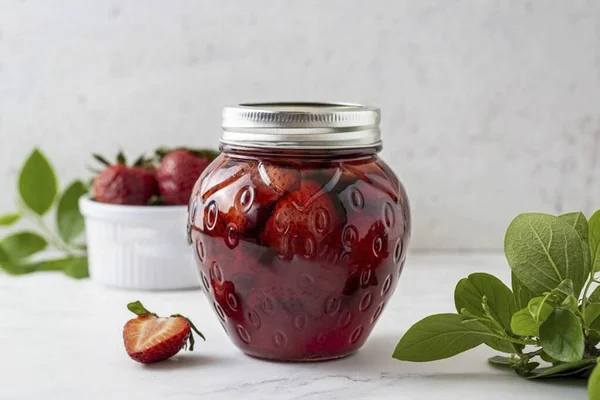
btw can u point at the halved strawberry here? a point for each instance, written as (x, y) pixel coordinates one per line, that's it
(149, 338)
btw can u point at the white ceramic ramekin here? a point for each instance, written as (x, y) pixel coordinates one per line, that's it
(138, 247)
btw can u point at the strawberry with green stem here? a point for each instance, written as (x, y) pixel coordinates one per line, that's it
(122, 184)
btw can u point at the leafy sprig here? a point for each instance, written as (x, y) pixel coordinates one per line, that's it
(548, 324)
(38, 194)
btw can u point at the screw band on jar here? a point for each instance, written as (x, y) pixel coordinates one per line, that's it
(301, 126)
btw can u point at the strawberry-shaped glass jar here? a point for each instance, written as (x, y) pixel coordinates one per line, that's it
(299, 229)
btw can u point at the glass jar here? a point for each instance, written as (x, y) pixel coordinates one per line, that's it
(299, 229)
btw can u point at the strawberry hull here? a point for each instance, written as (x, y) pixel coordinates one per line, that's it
(298, 258)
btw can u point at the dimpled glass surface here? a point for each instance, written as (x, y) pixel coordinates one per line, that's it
(299, 257)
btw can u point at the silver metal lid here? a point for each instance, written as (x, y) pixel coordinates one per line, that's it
(301, 125)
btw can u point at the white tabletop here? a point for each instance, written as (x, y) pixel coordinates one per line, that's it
(61, 339)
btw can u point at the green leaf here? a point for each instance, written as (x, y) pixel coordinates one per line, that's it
(523, 324)
(9, 219)
(500, 361)
(469, 294)
(37, 183)
(440, 336)
(521, 292)
(595, 296)
(49, 265)
(547, 358)
(592, 312)
(15, 269)
(563, 369)
(561, 336)
(74, 267)
(7, 265)
(594, 384)
(495, 343)
(543, 250)
(526, 322)
(121, 159)
(570, 303)
(22, 245)
(4, 257)
(10, 267)
(564, 290)
(68, 217)
(593, 337)
(594, 240)
(530, 366)
(578, 221)
(77, 268)
(498, 344)
(191, 337)
(138, 308)
(540, 308)
(101, 159)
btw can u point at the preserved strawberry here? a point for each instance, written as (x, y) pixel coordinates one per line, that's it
(298, 268)
(300, 239)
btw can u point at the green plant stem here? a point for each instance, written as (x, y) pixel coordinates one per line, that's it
(584, 301)
(52, 238)
(533, 353)
(495, 322)
(511, 339)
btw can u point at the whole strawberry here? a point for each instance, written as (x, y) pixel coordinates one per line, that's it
(149, 338)
(122, 184)
(307, 232)
(178, 171)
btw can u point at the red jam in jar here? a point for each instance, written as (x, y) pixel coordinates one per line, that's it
(299, 229)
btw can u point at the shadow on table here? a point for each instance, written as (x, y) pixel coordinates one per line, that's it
(189, 360)
(374, 361)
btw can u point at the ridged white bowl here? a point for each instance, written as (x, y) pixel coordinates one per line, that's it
(138, 247)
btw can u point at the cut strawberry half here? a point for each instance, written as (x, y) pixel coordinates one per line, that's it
(150, 338)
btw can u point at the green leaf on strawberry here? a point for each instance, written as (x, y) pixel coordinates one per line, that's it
(138, 308)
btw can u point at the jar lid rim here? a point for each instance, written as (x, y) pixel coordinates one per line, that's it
(301, 124)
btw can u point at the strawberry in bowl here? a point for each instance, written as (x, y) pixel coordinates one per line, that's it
(136, 219)
(119, 183)
(178, 171)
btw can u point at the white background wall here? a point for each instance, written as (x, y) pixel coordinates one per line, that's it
(490, 108)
